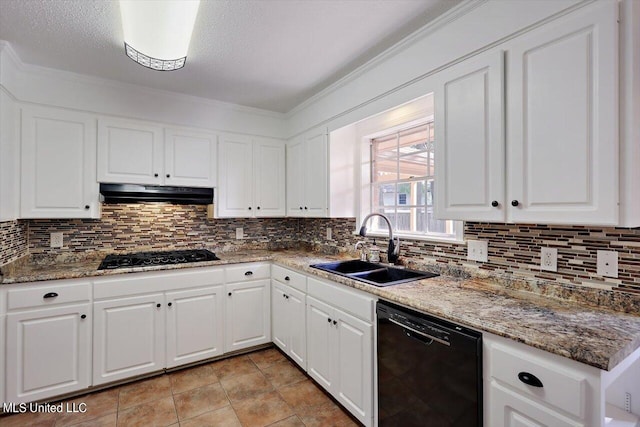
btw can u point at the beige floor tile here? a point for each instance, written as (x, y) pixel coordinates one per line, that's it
(97, 404)
(144, 391)
(268, 357)
(245, 387)
(283, 373)
(225, 417)
(326, 415)
(293, 421)
(31, 419)
(108, 420)
(191, 378)
(304, 395)
(157, 413)
(235, 366)
(262, 411)
(200, 400)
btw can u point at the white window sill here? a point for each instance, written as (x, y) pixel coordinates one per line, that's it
(376, 234)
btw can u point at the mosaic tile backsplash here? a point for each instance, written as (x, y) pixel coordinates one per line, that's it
(513, 248)
(13, 240)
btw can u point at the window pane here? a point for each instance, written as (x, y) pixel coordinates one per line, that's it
(378, 224)
(384, 195)
(411, 193)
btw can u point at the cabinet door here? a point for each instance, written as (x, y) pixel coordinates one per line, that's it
(297, 309)
(315, 174)
(190, 158)
(194, 325)
(130, 152)
(280, 316)
(58, 164)
(248, 314)
(562, 88)
(320, 342)
(48, 352)
(269, 175)
(508, 409)
(128, 337)
(235, 167)
(295, 178)
(470, 163)
(354, 364)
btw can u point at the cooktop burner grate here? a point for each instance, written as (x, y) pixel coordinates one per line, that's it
(143, 259)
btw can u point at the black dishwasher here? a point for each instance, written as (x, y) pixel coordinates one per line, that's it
(429, 371)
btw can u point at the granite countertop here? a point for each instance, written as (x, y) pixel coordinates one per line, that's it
(598, 337)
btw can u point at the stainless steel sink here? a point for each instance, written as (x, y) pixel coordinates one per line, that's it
(372, 273)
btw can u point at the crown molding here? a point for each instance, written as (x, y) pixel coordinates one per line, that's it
(5, 47)
(467, 6)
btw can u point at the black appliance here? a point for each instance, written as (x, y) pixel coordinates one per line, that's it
(429, 370)
(133, 193)
(145, 259)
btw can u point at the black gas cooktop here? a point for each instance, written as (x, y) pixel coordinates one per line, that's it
(144, 259)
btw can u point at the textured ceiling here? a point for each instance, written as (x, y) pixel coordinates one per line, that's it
(270, 54)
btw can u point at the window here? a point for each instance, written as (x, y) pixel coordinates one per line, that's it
(402, 184)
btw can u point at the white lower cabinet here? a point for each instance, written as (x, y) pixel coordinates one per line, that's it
(340, 346)
(288, 321)
(247, 306)
(129, 337)
(48, 352)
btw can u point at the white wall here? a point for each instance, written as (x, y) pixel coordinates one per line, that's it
(29, 83)
(396, 76)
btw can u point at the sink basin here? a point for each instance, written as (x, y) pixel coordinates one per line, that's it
(371, 273)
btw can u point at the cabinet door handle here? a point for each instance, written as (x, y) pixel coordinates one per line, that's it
(50, 295)
(300, 207)
(284, 296)
(495, 203)
(158, 305)
(84, 316)
(529, 379)
(249, 207)
(514, 203)
(170, 304)
(168, 176)
(87, 207)
(249, 273)
(287, 296)
(229, 294)
(155, 175)
(329, 320)
(335, 322)
(287, 278)
(305, 208)
(258, 208)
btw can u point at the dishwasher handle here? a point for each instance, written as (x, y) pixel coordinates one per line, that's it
(422, 334)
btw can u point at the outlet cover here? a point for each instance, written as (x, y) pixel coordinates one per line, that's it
(239, 233)
(477, 250)
(608, 264)
(329, 233)
(56, 240)
(549, 259)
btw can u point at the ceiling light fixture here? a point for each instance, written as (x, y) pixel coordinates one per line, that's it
(157, 33)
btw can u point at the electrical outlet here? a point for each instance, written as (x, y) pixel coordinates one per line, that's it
(608, 264)
(328, 233)
(239, 233)
(56, 240)
(549, 259)
(477, 250)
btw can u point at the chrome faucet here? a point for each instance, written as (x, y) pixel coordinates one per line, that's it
(363, 254)
(394, 248)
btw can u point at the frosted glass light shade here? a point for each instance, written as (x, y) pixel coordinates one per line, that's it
(157, 32)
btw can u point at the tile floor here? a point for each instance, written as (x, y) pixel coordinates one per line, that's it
(258, 389)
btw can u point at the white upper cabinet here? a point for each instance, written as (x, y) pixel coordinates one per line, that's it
(129, 152)
(561, 126)
(469, 127)
(562, 106)
(251, 177)
(58, 178)
(307, 175)
(134, 152)
(190, 158)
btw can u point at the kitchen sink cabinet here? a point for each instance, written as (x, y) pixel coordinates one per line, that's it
(307, 175)
(251, 177)
(135, 152)
(58, 164)
(561, 149)
(288, 322)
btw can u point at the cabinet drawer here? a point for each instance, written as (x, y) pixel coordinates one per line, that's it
(244, 272)
(561, 387)
(289, 277)
(342, 298)
(51, 294)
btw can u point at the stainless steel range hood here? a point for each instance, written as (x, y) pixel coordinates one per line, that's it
(132, 193)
